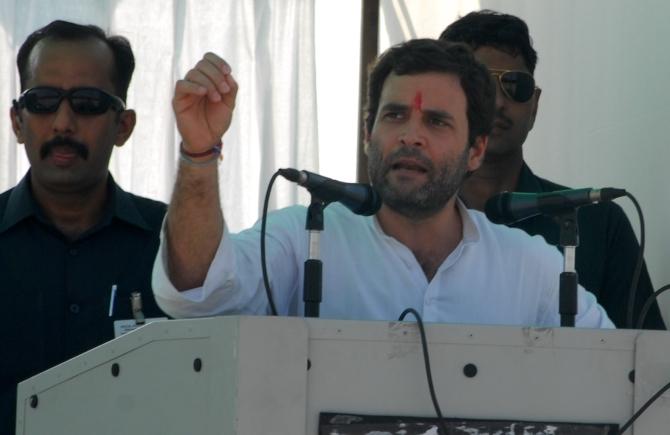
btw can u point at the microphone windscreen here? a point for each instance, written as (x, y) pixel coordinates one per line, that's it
(290, 174)
(372, 205)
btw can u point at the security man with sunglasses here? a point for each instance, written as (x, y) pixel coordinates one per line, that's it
(73, 245)
(608, 249)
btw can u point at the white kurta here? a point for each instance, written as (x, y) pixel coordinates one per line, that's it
(496, 275)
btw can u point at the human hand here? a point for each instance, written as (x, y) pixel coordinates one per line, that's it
(203, 103)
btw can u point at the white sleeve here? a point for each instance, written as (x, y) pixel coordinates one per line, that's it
(589, 312)
(234, 281)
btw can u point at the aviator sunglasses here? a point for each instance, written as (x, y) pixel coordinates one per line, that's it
(518, 86)
(84, 100)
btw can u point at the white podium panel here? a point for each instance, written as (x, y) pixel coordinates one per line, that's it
(264, 375)
(158, 390)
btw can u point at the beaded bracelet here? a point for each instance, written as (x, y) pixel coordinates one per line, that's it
(188, 157)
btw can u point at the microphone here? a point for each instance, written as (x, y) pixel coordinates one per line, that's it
(510, 207)
(359, 198)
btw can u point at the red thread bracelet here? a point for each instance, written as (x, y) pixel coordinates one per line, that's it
(216, 149)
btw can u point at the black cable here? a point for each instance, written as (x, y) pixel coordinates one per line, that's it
(643, 314)
(648, 303)
(266, 281)
(638, 265)
(426, 360)
(644, 407)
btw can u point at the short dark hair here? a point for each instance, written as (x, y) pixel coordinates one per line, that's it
(124, 60)
(503, 31)
(429, 55)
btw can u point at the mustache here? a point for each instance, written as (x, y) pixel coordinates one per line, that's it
(407, 151)
(500, 116)
(79, 148)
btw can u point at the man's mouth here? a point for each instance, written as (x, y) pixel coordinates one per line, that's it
(63, 155)
(501, 125)
(408, 165)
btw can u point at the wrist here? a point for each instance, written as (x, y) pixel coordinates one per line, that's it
(202, 158)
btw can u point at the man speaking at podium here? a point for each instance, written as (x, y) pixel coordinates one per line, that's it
(430, 110)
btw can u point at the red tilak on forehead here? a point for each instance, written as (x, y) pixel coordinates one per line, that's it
(417, 102)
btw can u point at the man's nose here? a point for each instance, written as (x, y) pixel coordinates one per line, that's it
(413, 133)
(64, 122)
(501, 98)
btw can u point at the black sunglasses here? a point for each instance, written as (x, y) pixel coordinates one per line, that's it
(518, 86)
(84, 100)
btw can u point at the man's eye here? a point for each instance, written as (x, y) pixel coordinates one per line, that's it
(438, 122)
(392, 115)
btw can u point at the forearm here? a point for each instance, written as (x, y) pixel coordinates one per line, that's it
(194, 225)
(203, 105)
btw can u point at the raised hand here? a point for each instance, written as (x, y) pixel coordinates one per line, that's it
(203, 103)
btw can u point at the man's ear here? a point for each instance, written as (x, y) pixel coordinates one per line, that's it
(17, 122)
(476, 152)
(126, 125)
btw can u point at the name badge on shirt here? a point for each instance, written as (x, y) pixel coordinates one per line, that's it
(124, 326)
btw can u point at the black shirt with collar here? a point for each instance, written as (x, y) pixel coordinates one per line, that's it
(55, 293)
(606, 255)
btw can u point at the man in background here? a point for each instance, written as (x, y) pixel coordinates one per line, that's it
(608, 249)
(73, 244)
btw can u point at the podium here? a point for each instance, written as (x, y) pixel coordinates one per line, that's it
(275, 375)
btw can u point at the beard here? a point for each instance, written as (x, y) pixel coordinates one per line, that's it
(416, 202)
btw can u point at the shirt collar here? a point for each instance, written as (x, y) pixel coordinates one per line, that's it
(21, 205)
(124, 208)
(470, 230)
(528, 182)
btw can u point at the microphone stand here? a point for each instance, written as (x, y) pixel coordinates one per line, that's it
(569, 240)
(313, 266)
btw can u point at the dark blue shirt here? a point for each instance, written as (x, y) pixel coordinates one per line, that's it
(55, 293)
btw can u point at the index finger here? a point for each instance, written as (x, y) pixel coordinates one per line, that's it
(218, 62)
